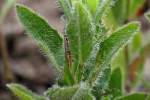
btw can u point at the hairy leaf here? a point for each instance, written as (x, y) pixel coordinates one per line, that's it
(23, 93)
(47, 37)
(79, 31)
(117, 15)
(135, 96)
(90, 63)
(102, 8)
(61, 93)
(108, 48)
(101, 83)
(83, 93)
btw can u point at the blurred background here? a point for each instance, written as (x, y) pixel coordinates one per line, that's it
(21, 61)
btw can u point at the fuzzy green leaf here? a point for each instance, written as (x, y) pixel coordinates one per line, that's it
(47, 37)
(135, 96)
(23, 93)
(117, 15)
(102, 8)
(79, 31)
(111, 45)
(108, 48)
(61, 93)
(90, 63)
(83, 93)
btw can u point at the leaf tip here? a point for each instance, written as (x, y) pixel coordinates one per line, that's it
(135, 25)
(19, 6)
(10, 85)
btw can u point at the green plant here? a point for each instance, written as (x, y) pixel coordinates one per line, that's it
(131, 58)
(82, 56)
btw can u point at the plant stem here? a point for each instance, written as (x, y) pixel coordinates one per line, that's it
(7, 76)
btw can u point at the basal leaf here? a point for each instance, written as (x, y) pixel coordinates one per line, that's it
(61, 93)
(108, 48)
(83, 93)
(47, 37)
(135, 96)
(23, 93)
